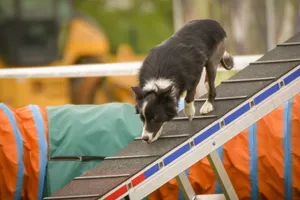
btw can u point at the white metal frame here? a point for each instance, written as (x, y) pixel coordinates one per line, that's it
(185, 186)
(222, 177)
(226, 133)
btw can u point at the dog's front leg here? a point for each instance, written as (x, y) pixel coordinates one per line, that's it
(210, 86)
(189, 107)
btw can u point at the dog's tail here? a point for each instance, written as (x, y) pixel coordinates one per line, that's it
(227, 61)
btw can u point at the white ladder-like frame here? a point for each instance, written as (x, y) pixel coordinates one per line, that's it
(222, 177)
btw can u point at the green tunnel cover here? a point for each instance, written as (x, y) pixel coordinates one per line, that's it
(86, 130)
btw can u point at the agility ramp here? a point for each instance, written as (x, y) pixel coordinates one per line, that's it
(139, 169)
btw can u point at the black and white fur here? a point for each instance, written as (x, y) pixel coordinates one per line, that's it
(173, 69)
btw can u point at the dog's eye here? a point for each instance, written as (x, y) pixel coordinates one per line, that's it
(154, 120)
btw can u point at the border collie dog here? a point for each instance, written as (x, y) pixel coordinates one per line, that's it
(173, 69)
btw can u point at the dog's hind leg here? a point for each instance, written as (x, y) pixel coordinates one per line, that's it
(210, 86)
(189, 107)
(211, 72)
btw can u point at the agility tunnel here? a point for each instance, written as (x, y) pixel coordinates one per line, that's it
(39, 145)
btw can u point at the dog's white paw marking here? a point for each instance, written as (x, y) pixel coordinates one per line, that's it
(206, 108)
(189, 110)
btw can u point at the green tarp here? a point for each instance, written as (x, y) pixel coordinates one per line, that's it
(86, 130)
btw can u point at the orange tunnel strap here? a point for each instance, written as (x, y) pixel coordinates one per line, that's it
(35, 139)
(16, 155)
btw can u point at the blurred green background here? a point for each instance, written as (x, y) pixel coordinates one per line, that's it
(142, 24)
(253, 26)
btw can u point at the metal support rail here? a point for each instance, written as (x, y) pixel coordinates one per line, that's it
(90, 158)
(222, 98)
(288, 44)
(248, 80)
(167, 136)
(275, 61)
(72, 197)
(101, 176)
(196, 117)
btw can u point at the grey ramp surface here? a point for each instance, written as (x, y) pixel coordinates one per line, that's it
(221, 106)
(295, 38)
(158, 148)
(284, 52)
(240, 89)
(162, 145)
(120, 165)
(281, 52)
(265, 70)
(90, 186)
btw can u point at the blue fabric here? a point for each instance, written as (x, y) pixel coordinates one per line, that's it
(218, 189)
(19, 142)
(180, 104)
(252, 143)
(288, 190)
(42, 147)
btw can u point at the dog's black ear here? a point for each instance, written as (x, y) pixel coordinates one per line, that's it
(138, 91)
(165, 92)
(137, 111)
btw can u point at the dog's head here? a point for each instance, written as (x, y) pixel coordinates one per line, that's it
(155, 107)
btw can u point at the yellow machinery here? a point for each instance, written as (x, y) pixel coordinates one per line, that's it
(37, 33)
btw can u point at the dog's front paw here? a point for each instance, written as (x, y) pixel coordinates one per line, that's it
(206, 108)
(189, 110)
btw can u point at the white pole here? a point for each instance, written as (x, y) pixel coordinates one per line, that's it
(178, 15)
(94, 70)
(270, 24)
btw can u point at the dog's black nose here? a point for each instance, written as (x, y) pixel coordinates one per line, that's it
(145, 138)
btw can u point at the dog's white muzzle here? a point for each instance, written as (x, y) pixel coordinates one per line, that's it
(148, 137)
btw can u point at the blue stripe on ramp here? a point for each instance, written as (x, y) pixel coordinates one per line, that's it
(236, 114)
(151, 171)
(291, 77)
(176, 154)
(206, 134)
(266, 94)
